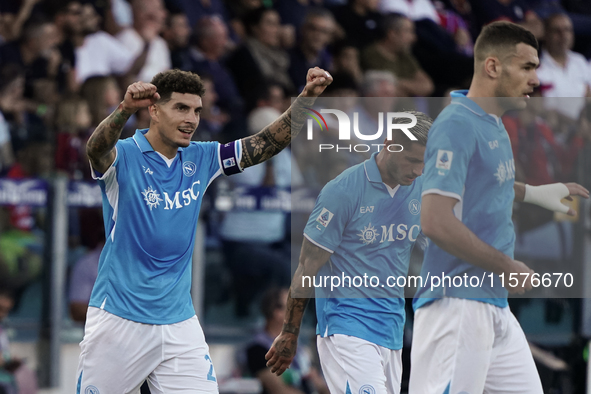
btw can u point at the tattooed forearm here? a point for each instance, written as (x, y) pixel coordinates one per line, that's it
(278, 135)
(105, 136)
(312, 258)
(294, 314)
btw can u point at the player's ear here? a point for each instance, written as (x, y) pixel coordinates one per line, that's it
(492, 67)
(153, 109)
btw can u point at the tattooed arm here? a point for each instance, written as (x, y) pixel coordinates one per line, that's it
(282, 352)
(275, 137)
(100, 147)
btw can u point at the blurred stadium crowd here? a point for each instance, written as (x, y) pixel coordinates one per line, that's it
(64, 65)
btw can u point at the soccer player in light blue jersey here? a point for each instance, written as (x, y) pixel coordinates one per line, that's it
(141, 323)
(360, 234)
(465, 338)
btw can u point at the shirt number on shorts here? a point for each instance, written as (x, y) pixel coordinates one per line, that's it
(210, 373)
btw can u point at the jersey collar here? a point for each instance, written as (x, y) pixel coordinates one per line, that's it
(459, 97)
(142, 142)
(371, 169)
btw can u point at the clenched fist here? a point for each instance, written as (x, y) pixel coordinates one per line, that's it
(139, 95)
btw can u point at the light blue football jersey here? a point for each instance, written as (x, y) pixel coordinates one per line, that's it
(150, 210)
(369, 232)
(469, 157)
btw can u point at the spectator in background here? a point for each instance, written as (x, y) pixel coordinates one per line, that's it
(457, 27)
(98, 53)
(563, 73)
(102, 95)
(12, 105)
(345, 60)
(413, 9)
(213, 119)
(198, 9)
(294, 12)
(11, 21)
(148, 22)
(238, 10)
(516, 11)
(72, 129)
(272, 95)
(176, 33)
(209, 48)
(392, 52)
(34, 160)
(69, 25)
(35, 52)
(316, 33)
(302, 377)
(260, 58)
(359, 19)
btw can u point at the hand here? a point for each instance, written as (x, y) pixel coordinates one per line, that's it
(316, 81)
(574, 189)
(282, 352)
(522, 286)
(139, 95)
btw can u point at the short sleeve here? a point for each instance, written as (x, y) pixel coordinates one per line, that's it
(450, 147)
(111, 170)
(332, 212)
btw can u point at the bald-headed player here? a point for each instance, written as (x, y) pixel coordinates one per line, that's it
(465, 339)
(141, 323)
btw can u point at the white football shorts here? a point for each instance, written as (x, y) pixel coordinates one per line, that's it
(355, 366)
(117, 355)
(462, 346)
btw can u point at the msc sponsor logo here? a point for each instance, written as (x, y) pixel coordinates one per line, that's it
(368, 235)
(178, 200)
(188, 196)
(151, 197)
(390, 233)
(505, 171)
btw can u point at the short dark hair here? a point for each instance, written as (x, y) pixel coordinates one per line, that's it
(317, 12)
(501, 36)
(253, 17)
(548, 21)
(178, 81)
(392, 21)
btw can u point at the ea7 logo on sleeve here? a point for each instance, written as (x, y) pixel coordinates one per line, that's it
(444, 158)
(325, 217)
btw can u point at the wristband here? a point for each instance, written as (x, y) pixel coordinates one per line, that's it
(547, 196)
